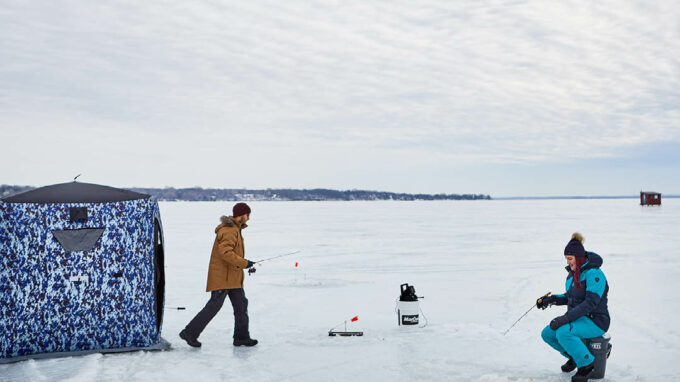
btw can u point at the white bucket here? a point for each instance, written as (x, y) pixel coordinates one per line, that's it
(408, 312)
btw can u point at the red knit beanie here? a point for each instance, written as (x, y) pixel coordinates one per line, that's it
(240, 209)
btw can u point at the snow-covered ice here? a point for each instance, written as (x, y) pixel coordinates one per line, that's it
(480, 265)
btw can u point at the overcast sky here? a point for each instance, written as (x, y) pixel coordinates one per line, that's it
(501, 97)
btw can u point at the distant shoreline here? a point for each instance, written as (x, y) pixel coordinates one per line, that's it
(198, 194)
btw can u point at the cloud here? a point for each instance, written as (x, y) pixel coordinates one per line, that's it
(489, 81)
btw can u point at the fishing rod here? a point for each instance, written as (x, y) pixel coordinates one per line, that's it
(527, 312)
(276, 257)
(253, 270)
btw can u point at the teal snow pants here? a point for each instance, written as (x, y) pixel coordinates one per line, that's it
(567, 339)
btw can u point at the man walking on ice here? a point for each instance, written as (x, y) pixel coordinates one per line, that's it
(225, 278)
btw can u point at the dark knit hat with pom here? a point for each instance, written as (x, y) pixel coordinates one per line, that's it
(575, 246)
(240, 209)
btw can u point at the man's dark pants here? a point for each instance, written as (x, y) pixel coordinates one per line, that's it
(238, 301)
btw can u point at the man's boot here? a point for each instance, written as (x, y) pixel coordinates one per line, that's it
(193, 342)
(245, 342)
(583, 373)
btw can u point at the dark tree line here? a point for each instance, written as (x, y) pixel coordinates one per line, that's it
(318, 194)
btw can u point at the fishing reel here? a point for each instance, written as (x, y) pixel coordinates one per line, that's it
(251, 270)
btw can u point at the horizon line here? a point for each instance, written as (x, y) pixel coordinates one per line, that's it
(523, 197)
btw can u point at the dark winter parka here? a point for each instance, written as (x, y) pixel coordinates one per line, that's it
(590, 300)
(227, 259)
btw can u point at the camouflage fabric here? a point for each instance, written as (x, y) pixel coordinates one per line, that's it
(53, 300)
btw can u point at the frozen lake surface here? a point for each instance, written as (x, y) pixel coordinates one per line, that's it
(479, 264)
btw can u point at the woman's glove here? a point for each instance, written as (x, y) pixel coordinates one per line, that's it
(545, 301)
(558, 321)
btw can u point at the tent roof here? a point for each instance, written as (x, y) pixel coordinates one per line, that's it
(75, 192)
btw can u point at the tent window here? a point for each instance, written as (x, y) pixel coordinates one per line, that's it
(77, 240)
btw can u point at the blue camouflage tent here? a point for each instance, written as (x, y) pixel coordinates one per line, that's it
(81, 271)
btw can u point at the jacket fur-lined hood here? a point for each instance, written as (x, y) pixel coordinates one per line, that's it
(227, 221)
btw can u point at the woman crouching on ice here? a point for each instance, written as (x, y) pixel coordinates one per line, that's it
(587, 315)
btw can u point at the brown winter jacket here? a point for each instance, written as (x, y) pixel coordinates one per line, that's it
(227, 260)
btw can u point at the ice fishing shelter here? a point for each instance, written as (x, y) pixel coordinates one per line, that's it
(650, 198)
(81, 271)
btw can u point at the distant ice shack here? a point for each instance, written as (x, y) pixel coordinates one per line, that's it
(650, 198)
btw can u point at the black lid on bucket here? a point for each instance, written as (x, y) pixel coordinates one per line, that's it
(408, 293)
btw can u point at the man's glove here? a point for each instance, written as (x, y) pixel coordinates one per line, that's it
(250, 264)
(558, 321)
(545, 301)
